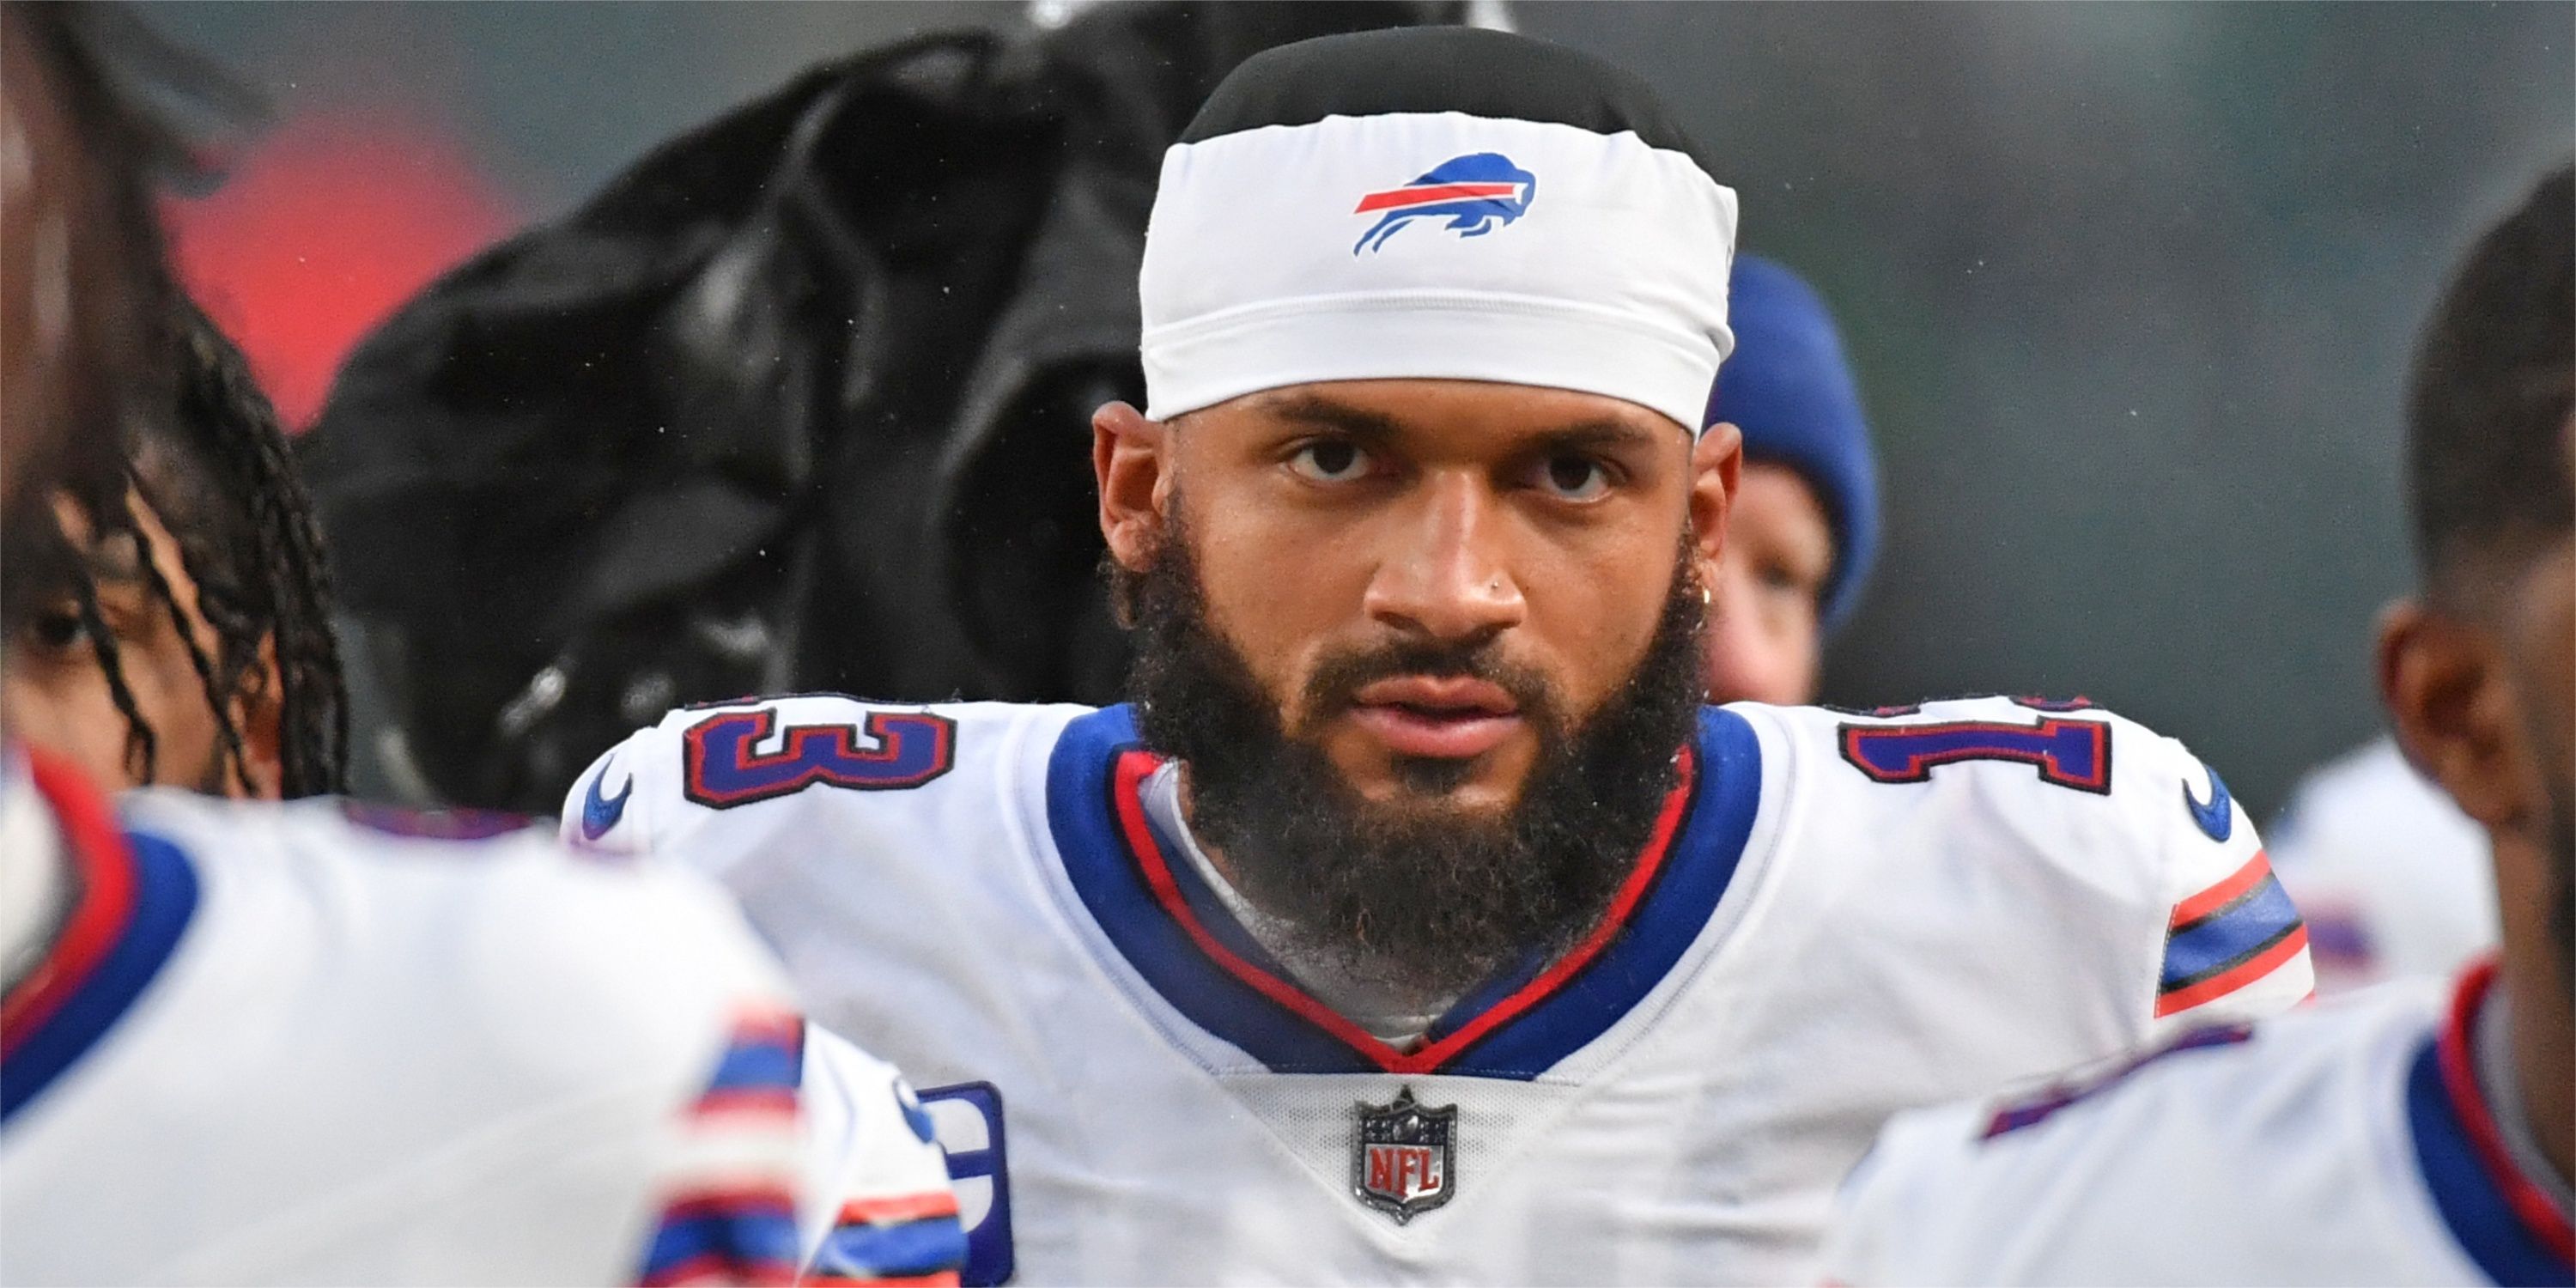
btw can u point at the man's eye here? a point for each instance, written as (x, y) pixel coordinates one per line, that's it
(57, 631)
(1330, 461)
(1785, 578)
(1576, 478)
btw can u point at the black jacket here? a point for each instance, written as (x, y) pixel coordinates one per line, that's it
(800, 401)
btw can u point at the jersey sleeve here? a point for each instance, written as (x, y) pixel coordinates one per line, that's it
(2232, 944)
(887, 1213)
(2153, 875)
(718, 786)
(711, 789)
(655, 792)
(621, 976)
(739, 1174)
(613, 804)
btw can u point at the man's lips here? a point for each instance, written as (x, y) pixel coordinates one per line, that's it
(1437, 717)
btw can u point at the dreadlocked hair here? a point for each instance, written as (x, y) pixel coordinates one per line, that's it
(249, 539)
(220, 475)
(139, 743)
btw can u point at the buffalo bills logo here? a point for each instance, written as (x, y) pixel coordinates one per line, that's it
(1476, 193)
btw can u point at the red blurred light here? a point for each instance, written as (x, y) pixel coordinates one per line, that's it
(322, 228)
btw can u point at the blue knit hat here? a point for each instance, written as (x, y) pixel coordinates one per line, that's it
(1789, 388)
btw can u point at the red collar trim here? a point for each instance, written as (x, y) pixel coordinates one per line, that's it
(104, 866)
(1135, 766)
(2459, 1078)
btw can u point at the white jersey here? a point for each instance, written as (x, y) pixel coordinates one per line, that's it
(1838, 916)
(2394, 880)
(283, 1044)
(2346, 1144)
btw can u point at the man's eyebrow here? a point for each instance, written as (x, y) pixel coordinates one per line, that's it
(1599, 434)
(1596, 435)
(1324, 413)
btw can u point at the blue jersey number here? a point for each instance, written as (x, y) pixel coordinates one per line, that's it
(2069, 753)
(906, 749)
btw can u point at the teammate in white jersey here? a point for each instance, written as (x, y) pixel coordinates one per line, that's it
(1416, 922)
(286, 1045)
(2393, 879)
(2384, 1137)
(252, 1044)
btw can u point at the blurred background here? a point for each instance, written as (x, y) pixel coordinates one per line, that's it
(2130, 288)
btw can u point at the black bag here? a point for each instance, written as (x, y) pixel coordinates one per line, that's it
(800, 401)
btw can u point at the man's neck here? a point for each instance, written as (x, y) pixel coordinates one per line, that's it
(1394, 1016)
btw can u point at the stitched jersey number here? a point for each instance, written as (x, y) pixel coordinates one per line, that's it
(2069, 753)
(907, 749)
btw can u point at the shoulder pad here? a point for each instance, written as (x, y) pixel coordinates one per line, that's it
(2135, 824)
(705, 760)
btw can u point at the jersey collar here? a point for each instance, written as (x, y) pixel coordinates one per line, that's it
(1515, 1026)
(136, 895)
(2502, 1219)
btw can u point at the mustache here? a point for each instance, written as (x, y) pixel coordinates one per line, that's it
(1338, 677)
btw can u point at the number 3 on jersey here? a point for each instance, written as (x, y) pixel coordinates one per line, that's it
(2069, 753)
(901, 749)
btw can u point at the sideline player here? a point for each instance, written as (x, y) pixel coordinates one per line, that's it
(2394, 880)
(254, 1044)
(1417, 921)
(191, 644)
(1803, 528)
(2414, 1133)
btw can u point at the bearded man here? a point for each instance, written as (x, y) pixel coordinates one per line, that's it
(1416, 919)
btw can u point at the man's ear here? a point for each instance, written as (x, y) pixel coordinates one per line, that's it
(1717, 462)
(1131, 465)
(2443, 683)
(259, 713)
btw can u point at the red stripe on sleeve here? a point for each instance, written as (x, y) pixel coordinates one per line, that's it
(2223, 893)
(897, 1209)
(2235, 977)
(942, 1279)
(773, 1102)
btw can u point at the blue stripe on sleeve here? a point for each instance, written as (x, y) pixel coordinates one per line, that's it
(2222, 938)
(737, 1239)
(757, 1064)
(909, 1250)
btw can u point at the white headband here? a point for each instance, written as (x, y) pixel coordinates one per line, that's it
(1435, 245)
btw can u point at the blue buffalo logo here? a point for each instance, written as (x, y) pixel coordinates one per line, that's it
(1476, 193)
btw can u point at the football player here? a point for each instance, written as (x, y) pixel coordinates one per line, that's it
(248, 1043)
(2394, 880)
(1416, 920)
(2410, 1134)
(1803, 529)
(191, 643)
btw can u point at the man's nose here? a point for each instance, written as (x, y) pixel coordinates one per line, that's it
(1449, 581)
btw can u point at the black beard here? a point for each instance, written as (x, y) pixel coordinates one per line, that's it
(1418, 898)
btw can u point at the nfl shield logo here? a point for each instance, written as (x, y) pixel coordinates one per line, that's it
(1407, 1160)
